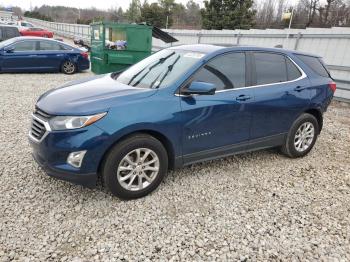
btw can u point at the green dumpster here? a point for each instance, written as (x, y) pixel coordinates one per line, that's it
(115, 46)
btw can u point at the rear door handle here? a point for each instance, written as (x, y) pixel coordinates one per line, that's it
(299, 88)
(243, 97)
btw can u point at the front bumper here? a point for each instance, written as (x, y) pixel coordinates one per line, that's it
(88, 180)
(51, 154)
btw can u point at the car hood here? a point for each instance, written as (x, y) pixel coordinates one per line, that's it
(89, 96)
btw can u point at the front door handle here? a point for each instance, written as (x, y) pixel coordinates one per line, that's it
(243, 97)
(299, 88)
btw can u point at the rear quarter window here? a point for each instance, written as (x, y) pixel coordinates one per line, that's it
(64, 47)
(292, 71)
(315, 64)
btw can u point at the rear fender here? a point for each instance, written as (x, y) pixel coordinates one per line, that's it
(70, 57)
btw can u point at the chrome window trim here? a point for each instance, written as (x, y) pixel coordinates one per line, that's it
(303, 75)
(49, 51)
(47, 127)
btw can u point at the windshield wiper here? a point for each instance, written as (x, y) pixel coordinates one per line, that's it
(170, 68)
(160, 61)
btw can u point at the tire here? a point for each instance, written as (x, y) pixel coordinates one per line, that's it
(301, 137)
(68, 67)
(120, 167)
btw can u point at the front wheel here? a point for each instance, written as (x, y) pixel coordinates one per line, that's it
(302, 136)
(68, 68)
(135, 166)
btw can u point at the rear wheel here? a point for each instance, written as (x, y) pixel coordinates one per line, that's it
(302, 136)
(68, 68)
(135, 166)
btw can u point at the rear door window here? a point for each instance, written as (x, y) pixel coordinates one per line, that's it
(315, 64)
(270, 68)
(49, 46)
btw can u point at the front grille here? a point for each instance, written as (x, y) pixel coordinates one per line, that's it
(37, 129)
(39, 122)
(41, 114)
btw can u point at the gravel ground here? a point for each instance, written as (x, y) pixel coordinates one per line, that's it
(255, 206)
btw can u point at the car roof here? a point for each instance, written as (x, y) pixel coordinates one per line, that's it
(208, 49)
(19, 38)
(8, 26)
(32, 38)
(202, 48)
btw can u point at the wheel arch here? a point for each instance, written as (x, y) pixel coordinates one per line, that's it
(68, 57)
(318, 115)
(156, 134)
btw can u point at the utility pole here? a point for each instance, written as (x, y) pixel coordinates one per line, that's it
(291, 18)
(167, 18)
(290, 21)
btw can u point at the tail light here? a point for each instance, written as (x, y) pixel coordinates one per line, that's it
(85, 55)
(332, 86)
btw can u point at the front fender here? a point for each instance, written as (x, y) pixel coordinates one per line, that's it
(171, 140)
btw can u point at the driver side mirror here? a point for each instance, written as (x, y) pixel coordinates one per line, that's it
(199, 88)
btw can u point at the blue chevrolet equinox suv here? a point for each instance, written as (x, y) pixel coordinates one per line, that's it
(179, 106)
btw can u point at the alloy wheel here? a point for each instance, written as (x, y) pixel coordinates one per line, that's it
(68, 67)
(138, 169)
(304, 136)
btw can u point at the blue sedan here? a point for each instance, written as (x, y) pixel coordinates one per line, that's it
(36, 54)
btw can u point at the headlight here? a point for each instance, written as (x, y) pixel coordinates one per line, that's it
(73, 122)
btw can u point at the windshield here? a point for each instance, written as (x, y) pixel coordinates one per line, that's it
(160, 69)
(6, 42)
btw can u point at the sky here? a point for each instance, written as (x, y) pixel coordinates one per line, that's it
(100, 4)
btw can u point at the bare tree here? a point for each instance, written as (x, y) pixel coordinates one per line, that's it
(281, 6)
(265, 16)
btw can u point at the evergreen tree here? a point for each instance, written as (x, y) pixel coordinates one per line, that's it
(134, 12)
(153, 14)
(193, 16)
(227, 14)
(117, 15)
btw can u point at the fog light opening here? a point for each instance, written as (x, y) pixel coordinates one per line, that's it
(76, 158)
